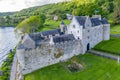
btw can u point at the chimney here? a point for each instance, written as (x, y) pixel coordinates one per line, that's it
(51, 40)
(62, 27)
(97, 16)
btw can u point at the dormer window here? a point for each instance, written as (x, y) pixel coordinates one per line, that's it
(73, 26)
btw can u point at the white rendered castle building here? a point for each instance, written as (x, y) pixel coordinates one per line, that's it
(38, 50)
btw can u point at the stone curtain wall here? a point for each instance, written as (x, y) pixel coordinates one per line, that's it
(92, 36)
(50, 54)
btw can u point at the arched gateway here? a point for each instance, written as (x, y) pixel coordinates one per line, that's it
(88, 46)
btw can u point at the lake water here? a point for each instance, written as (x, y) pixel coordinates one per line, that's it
(8, 41)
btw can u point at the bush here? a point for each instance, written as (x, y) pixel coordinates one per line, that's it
(6, 66)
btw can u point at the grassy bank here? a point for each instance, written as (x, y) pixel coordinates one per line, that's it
(115, 29)
(6, 66)
(111, 46)
(95, 68)
(53, 24)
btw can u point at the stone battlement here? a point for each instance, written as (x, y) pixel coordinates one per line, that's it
(48, 54)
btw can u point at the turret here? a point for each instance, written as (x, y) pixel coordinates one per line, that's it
(62, 27)
(20, 55)
(106, 29)
(51, 40)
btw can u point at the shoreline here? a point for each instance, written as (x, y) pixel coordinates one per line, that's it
(8, 42)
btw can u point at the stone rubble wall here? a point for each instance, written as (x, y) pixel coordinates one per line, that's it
(48, 54)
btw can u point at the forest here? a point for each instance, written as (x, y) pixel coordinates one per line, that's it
(107, 8)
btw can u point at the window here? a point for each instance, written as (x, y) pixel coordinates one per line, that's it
(78, 38)
(71, 32)
(78, 31)
(73, 26)
(88, 37)
(88, 25)
(88, 30)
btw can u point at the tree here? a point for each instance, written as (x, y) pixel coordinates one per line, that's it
(117, 11)
(88, 9)
(7, 19)
(76, 12)
(43, 17)
(30, 25)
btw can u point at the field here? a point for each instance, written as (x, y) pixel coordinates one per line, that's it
(115, 29)
(95, 68)
(110, 46)
(53, 24)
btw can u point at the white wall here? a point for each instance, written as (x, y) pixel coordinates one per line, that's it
(77, 31)
(20, 57)
(106, 32)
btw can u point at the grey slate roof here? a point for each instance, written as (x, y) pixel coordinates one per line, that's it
(36, 36)
(20, 46)
(95, 22)
(63, 38)
(51, 32)
(81, 20)
(104, 21)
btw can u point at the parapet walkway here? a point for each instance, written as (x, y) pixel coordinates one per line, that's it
(14, 68)
(106, 55)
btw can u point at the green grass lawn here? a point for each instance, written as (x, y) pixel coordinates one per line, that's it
(53, 24)
(115, 29)
(95, 68)
(111, 46)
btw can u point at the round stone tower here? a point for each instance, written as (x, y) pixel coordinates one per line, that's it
(20, 55)
(106, 31)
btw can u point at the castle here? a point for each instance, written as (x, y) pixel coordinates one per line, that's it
(41, 49)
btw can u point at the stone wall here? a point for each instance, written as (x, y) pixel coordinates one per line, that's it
(106, 31)
(48, 54)
(92, 36)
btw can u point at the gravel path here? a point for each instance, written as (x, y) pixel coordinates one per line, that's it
(106, 55)
(115, 35)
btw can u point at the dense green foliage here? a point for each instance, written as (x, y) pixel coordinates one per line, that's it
(76, 7)
(95, 68)
(111, 46)
(115, 29)
(117, 11)
(31, 24)
(90, 7)
(6, 14)
(6, 66)
(6, 19)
